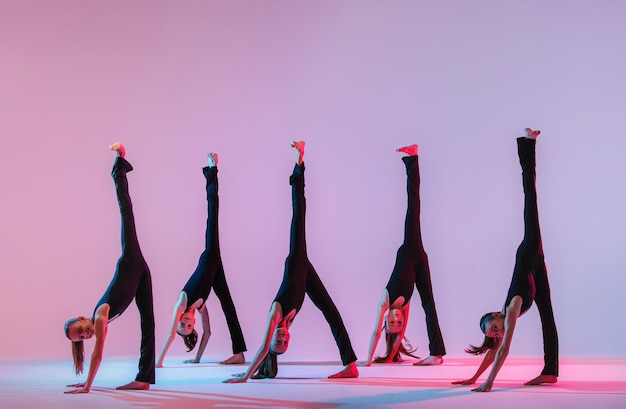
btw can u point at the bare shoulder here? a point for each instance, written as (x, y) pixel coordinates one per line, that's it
(384, 299)
(182, 298)
(102, 312)
(275, 313)
(515, 305)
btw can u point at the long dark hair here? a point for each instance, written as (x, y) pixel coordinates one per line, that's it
(268, 367)
(488, 343)
(190, 339)
(78, 349)
(405, 348)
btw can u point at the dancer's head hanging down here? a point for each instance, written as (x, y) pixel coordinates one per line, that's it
(77, 330)
(186, 329)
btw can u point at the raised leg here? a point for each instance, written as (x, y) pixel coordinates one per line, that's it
(526, 153)
(412, 224)
(130, 244)
(297, 242)
(212, 190)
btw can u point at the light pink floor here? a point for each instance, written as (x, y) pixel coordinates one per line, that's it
(584, 383)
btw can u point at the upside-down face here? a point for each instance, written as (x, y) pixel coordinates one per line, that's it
(187, 323)
(394, 321)
(280, 341)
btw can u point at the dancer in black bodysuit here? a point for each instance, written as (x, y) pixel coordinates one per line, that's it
(131, 280)
(529, 282)
(411, 269)
(209, 275)
(299, 278)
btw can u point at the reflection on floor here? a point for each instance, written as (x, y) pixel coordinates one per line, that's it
(583, 383)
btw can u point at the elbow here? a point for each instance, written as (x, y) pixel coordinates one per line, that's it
(502, 353)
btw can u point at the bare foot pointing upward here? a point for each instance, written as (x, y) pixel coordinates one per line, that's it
(532, 134)
(299, 146)
(119, 148)
(212, 157)
(410, 150)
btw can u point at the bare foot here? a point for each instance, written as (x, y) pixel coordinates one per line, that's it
(234, 360)
(119, 148)
(542, 379)
(531, 134)
(299, 146)
(410, 150)
(135, 386)
(212, 157)
(431, 360)
(348, 371)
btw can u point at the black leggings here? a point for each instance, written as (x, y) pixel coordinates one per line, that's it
(412, 261)
(211, 259)
(299, 261)
(132, 267)
(530, 257)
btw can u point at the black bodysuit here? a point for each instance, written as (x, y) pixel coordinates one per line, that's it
(522, 284)
(209, 273)
(132, 277)
(411, 266)
(300, 277)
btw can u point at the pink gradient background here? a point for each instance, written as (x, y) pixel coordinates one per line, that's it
(355, 79)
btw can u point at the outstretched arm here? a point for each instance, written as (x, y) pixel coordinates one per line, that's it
(206, 334)
(487, 360)
(383, 306)
(100, 323)
(273, 319)
(512, 312)
(179, 308)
